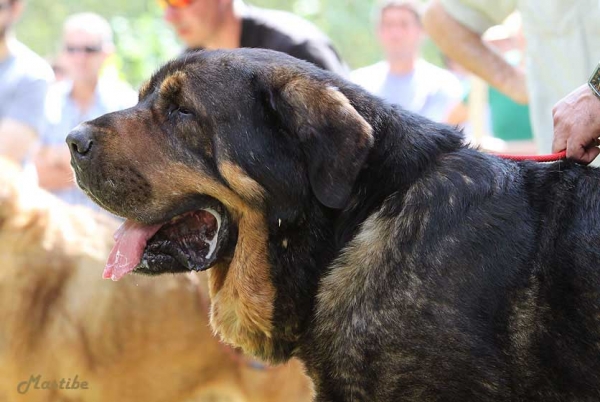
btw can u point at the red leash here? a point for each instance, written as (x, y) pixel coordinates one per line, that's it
(536, 158)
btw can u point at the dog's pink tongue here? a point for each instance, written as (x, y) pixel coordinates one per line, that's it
(130, 241)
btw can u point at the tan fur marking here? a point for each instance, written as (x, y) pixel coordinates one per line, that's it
(242, 294)
(311, 101)
(341, 291)
(350, 272)
(343, 103)
(172, 84)
(241, 183)
(186, 180)
(145, 89)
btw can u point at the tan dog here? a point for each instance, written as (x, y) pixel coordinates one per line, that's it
(136, 340)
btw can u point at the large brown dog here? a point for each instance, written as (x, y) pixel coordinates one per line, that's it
(135, 341)
(398, 263)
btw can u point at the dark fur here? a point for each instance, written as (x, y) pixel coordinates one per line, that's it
(468, 277)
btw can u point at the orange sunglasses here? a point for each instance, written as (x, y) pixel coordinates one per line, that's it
(174, 3)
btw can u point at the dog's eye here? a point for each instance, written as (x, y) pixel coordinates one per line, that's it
(181, 111)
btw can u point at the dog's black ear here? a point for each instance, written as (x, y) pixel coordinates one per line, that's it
(334, 137)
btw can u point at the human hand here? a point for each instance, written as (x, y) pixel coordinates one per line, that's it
(577, 125)
(53, 167)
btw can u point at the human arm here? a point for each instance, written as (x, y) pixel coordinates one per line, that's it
(466, 46)
(577, 125)
(53, 167)
(458, 115)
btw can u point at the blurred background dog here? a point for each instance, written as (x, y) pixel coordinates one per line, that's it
(135, 340)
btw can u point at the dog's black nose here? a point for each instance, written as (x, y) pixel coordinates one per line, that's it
(80, 142)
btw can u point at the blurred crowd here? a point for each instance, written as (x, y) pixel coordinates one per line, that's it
(504, 65)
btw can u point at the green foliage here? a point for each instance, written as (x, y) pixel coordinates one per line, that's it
(143, 44)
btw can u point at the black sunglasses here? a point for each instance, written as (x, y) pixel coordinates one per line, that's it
(83, 49)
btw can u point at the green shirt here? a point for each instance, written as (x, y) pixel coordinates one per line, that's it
(509, 120)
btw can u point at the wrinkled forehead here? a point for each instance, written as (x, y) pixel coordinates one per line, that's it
(196, 72)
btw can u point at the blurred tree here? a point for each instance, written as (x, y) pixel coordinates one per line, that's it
(143, 44)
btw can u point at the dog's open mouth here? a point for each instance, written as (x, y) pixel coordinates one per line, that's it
(192, 241)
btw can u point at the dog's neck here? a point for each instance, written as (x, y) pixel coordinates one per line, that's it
(400, 147)
(327, 232)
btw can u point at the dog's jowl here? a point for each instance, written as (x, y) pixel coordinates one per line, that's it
(396, 262)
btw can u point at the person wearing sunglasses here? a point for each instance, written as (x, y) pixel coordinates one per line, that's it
(87, 42)
(24, 80)
(229, 24)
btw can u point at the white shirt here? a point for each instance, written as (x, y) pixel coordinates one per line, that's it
(427, 90)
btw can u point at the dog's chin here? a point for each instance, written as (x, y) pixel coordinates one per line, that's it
(191, 241)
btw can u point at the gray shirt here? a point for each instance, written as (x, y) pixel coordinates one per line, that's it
(24, 79)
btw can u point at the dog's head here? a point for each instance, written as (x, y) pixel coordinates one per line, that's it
(220, 134)
(223, 150)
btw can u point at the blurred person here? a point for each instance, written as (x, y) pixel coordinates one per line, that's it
(404, 78)
(229, 24)
(87, 41)
(58, 67)
(24, 78)
(561, 49)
